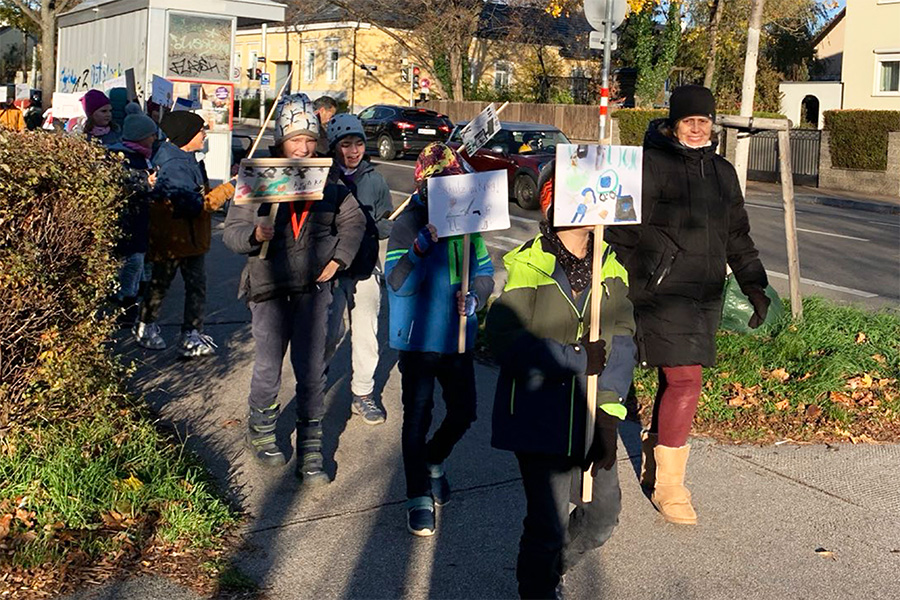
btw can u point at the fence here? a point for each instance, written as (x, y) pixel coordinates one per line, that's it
(763, 162)
(577, 121)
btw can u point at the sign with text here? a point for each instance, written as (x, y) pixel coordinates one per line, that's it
(468, 203)
(480, 129)
(272, 180)
(199, 47)
(67, 106)
(163, 91)
(214, 101)
(115, 82)
(597, 185)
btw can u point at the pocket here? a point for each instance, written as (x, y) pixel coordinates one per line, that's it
(668, 254)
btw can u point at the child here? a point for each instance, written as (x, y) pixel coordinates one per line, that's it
(424, 287)
(538, 331)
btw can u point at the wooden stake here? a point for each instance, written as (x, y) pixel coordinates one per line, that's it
(790, 222)
(463, 319)
(587, 481)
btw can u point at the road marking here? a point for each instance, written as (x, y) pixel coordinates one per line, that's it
(837, 235)
(401, 194)
(523, 219)
(779, 209)
(393, 164)
(885, 223)
(508, 239)
(827, 286)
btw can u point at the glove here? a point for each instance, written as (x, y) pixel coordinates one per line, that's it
(596, 355)
(471, 303)
(423, 243)
(760, 303)
(218, 196)
(602, 453)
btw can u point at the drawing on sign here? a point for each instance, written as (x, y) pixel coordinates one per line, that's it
(199, 47)
(468, 203)
(271, 180)
(480, 129)
(163, 91)
(115, 82)
(212, 101)
(597, 185)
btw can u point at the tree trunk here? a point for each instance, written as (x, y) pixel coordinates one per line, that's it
(48, 53)
(715, 18)
(456, 73)
(748, 91)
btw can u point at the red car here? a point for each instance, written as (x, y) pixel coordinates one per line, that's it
(519, 148)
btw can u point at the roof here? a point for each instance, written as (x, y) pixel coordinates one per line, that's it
(828, 27)
(247, 11)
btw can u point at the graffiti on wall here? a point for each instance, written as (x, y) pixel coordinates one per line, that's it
(199, 47)
(81, 80)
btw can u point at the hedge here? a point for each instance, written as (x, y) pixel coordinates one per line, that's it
(633, 122)
(858, 139)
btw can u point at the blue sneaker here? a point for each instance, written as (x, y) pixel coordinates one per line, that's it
(440, 487)
(420, 516)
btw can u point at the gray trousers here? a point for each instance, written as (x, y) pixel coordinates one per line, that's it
(193, 273)
(297, 322)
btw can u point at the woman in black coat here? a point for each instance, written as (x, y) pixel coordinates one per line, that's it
(693, 222)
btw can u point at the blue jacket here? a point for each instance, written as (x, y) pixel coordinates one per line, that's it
(422, 289)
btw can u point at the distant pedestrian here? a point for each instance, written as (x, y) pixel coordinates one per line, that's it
(289, 292)
(424, 276)
(693, 223)
(99, 123)
(538, 331)
(326, 107)
(357, 291)
(180, 233)
(11, 117)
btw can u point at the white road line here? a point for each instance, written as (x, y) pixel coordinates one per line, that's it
(778, 208)
(837, 235)
(827, 286)
(393, 164)
(879, 223)
(523, 219)
(508, 239)
(401, 194)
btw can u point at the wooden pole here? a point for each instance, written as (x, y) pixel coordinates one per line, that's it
(748, 90)
(273, 209)
(790, 222)
(596, 296)
(463, 319)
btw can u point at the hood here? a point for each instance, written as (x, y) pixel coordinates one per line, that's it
(167, 151)
(365, 166)
(659, 137)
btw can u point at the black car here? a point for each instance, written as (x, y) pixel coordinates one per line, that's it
(396, 130)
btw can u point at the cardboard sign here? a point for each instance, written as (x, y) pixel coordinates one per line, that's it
(468, 203)
(163, 91)
(7, 93)
(271, 180)
(480, 129)
(115, 82)
(597, 185)
(23, 91)
(67, 106)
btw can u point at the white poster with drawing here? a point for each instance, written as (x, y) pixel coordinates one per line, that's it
(270, 180)
(115, 82)
(597, 185)
(67, 106)
(480, 129)
(163, 91)
(468, 203)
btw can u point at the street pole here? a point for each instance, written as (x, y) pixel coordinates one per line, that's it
(604, 82)
(411, 89)
(262, 91)
(742, 151)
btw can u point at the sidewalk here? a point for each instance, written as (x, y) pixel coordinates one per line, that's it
(837, 198)
(763, 510)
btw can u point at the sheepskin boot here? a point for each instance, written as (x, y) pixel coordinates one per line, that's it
(670, 497)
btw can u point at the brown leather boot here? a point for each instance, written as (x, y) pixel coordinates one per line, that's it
(648, 460)
(670, 497)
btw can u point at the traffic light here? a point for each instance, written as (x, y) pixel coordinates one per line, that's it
(404, 70)
(415, 77)
(253, 74)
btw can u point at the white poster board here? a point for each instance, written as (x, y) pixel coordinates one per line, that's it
(23, 91)
(597, 185)
(468, 203)
(479, 130)
(115, 82)
(272, 180)
(163, 91)
(67, 106)
(4, 93)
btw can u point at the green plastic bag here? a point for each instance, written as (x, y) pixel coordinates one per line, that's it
(737, 310)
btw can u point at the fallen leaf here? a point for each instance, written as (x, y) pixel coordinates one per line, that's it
(231, 423)
(863, 381)
(879, 359)
(825, 553)
(131, 483)
(813, 411)
(805, 377)
(862, 439)
(736, 401)
(839, 398)
(4, 525)
(780, 374)
(861, 337)
(783, 405)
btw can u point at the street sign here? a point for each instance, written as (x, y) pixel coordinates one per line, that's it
(595, 13)
(480, 130)
(425, 84)
(265, 80)
(596, 41)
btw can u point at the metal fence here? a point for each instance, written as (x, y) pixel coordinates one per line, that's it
(763, 164)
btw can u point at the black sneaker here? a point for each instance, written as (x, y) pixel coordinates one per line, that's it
(440, 487)
(310, 462)
(365, 407)
(261, 436)
(420, 516)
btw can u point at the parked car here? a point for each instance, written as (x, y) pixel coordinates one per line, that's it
(519, 148)
(396, 130)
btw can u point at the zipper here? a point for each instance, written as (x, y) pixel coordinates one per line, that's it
(512, 398)
(571, 414)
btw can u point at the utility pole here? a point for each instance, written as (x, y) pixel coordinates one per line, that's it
(742, 153)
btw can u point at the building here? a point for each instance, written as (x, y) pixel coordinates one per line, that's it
(16, 54)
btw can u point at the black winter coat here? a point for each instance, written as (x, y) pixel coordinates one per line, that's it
(693, 221)
(134, 220)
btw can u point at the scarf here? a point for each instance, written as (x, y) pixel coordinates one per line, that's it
(142, 150)
(577, 270)
(99, 131)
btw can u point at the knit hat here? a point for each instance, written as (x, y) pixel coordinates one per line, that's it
(438, 158)
(691, 101)
(295, 116)
(137, 125)
(181, 126)
(93, 101)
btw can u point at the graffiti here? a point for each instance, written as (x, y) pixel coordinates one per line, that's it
(75, 80)
(199, 46)
(188, 67)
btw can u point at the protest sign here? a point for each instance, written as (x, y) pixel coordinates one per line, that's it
(273, 180)
(67, 106)
(7, 93)
(23, 91)
(480, 129)
(115, 82)
(468, 203)
(597, 185)
(163, 91)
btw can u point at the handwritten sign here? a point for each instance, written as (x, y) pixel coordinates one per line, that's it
(468, 203)
(480, 129)
(115, 82)
(199, 47)
(597, 185)
(67, 106)
(163, 91)
(271, 180)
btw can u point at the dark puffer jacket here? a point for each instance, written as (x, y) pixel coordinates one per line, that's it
(693, 221)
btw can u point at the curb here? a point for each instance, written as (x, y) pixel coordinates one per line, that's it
(868, 206)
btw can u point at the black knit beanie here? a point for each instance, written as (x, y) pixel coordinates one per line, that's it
(691, 101)
(181, 126)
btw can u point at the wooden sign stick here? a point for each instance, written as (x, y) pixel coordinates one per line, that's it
(463, 319)
(587, 482)
(403, 205)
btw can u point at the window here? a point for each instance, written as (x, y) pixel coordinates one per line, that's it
(501, 75)
(332, 65)
(367, 113)
(887, 74)
(309, 68)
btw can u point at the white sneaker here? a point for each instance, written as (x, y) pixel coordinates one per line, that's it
(147, 335)
(193, 344)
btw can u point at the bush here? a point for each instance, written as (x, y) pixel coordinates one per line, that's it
(632, 124)
(858, 139)
(83, 470)
(250, 107)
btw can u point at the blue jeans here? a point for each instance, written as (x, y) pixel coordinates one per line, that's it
(131, 272)
(554, 540)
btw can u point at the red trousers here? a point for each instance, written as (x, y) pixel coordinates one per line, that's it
(676, 403)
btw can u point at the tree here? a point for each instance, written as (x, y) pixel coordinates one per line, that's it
(44, 15)
(715, 17)
(654, 54)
